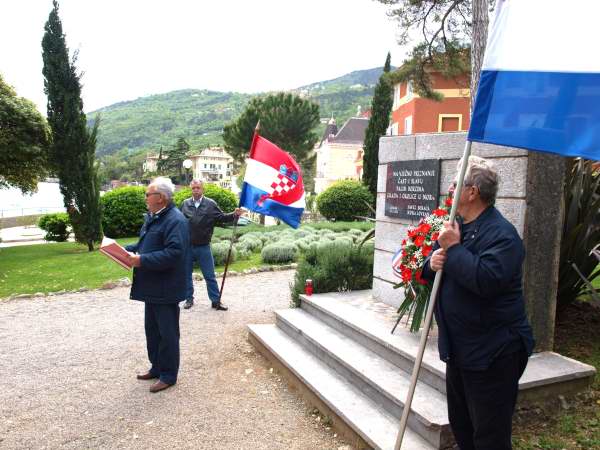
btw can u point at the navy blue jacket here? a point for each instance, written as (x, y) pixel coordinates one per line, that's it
(163, 245)
(480, 310)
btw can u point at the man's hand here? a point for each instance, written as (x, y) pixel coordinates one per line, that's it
(239, 212)
(450, 235)
(135, 260)
(437, 260)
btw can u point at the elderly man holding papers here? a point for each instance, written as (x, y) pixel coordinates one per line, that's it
(160, 280)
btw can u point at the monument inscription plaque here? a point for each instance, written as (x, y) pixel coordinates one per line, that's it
(412, 188)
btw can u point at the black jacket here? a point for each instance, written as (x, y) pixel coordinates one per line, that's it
(163, 246)
(480, 310)
(202, 219)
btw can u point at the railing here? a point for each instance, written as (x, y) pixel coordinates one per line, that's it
(29, 211)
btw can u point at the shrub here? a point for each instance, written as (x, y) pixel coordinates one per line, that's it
(124, 210)
(220, 251)
(278, 253)
(334, 267)
(226, 199)
(345, 200)
(251, 242)
(56, 226)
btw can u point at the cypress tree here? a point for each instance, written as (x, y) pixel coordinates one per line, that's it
(381, 107)
(72, 153)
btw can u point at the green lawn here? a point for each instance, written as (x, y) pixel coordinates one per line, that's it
(56, 266)
(53, 267)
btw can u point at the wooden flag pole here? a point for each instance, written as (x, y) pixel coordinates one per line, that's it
(430, 309)
(235, 222)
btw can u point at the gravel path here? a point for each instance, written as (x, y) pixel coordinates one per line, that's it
(68, 365)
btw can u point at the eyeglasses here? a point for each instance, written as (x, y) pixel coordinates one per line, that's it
(454, 184)
(148, 194)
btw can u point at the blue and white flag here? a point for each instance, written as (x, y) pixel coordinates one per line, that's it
(540, 81)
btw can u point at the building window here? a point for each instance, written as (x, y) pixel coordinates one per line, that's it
(449, 122)
(408, 125)
(409, 89)
(396, 96)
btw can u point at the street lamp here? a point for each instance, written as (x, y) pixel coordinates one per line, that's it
(187, 165)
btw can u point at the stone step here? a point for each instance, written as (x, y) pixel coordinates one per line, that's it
(369, 323)
(380, 380)
(357, 315)
(368, 420)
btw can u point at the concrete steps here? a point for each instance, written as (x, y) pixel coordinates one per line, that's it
(371, 422)
(339, 349)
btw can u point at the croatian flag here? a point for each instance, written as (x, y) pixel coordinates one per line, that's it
(273, 183)
(540, 81)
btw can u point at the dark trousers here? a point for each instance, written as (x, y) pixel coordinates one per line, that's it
(481, 403)
(161, 322)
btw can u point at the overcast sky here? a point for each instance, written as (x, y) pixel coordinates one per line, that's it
(133, 48)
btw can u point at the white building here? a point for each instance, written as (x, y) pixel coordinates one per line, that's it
(211, 165)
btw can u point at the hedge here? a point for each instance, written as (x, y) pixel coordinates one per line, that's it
(56, 226)
(345, 200)
(124, 210)
(226, 199)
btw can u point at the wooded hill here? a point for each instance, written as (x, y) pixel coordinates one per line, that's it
(147, 123)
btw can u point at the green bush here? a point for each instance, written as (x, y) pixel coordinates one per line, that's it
(279, 253)
(251, 242)
(219, 252)
(124, 210)
(345, 200)
(56, 226)
(334, 266)
(226, 199)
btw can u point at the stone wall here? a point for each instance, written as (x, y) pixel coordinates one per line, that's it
(517, 175)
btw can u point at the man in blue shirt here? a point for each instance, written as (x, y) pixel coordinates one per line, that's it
(203, 213)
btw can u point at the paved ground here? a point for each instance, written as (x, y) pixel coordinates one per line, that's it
(28, 235)
(68, 365)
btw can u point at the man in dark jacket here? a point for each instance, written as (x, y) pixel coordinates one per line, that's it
(202, 214)
(159, 280)
(484, 336)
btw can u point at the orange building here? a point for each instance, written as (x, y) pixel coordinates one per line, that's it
(413, 114)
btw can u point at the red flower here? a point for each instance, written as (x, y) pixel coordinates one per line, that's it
(424, 228)
(440, 212)
(448, 201)
(412, 232)
(403, 242)
(418, 277)
(426, 250)
(406, 275)
(435, 236)
(419, 240)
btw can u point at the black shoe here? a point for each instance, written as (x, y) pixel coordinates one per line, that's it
(219, 306)
(188, 304)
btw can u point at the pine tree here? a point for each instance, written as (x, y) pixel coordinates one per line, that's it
(72, 153)
(170, 162)
(287, 120)
(381, 107)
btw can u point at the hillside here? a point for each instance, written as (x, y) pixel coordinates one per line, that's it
(199, 115)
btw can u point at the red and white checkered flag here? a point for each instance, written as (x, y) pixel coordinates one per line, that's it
(279, 187)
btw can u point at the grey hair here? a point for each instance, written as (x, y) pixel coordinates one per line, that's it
(482, 174)
(196, 181)
(164, 186)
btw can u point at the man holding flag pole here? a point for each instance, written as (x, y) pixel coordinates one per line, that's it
(539, 90)
(272, 186)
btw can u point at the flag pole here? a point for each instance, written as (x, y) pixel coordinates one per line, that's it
(235, 221)
(430, 309)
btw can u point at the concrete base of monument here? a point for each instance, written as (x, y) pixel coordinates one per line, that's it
(338, 350)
